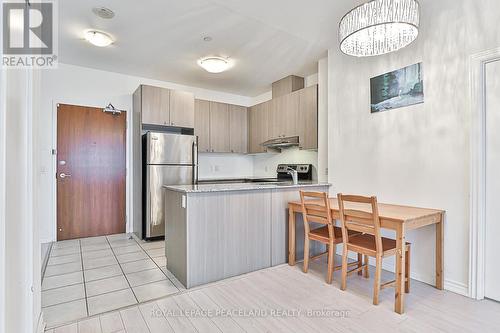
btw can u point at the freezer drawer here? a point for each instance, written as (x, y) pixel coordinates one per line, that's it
(167, 148)
(156, 177)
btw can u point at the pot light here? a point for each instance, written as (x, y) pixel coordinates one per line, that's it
(214, 64)
(98, 38)
(103, 12)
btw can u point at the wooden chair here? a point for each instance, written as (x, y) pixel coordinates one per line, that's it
(370, 242)
(318, 210)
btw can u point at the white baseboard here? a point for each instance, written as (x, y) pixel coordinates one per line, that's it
(456, 287)
(449, 285)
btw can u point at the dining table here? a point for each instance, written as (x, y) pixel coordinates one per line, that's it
(398, 218)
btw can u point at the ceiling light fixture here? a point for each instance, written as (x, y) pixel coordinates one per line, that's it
(379, 27)
(98, 38)
(214, 64)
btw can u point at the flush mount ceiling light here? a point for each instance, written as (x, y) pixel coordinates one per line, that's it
(98, 38)
(214, 64)
(379, 27)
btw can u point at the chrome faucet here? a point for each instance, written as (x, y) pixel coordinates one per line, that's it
(294, 174)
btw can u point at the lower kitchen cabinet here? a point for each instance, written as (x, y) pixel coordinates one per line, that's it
(214, 234)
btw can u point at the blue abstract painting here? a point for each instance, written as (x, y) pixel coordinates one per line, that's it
(396, 89)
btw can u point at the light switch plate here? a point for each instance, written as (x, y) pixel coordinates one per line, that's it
(183, 201)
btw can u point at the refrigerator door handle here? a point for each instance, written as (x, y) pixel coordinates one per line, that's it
(195, 161)
(151, 222)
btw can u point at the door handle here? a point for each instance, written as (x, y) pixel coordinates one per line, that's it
(64, 175)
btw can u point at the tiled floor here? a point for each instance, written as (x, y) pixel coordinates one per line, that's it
(296, 302)
(89, 276)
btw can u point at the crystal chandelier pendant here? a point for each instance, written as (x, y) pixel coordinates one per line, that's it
(379, 27)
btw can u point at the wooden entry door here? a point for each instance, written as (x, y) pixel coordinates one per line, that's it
(91, 172)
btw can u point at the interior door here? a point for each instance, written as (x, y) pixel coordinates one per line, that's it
(91, 172)
(492, 269)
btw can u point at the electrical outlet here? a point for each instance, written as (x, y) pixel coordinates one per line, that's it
(326, 171)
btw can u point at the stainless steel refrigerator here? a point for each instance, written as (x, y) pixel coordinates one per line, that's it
(168, 159)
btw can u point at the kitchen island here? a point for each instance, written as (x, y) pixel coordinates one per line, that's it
(215, 231)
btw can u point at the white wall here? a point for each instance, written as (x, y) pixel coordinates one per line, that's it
(322, 79)
(418, 155)
(3, 236)
(89, 87)
(20, 271)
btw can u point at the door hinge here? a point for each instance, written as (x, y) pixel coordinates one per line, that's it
(54, 151)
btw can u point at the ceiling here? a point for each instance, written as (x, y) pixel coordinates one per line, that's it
(162, 40)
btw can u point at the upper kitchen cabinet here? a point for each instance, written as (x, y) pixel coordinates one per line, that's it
(284, 114)
(155, 105)
(258, 121)
(160, 106)
(308, 117)
(181, 109)
(202, 124)
(238, 131)
(219, 128)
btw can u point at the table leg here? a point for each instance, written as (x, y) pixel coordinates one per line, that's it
(400, 270)
(291, 236)
(439, 252)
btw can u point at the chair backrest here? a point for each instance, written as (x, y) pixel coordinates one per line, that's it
(315, 209)
(358, 213)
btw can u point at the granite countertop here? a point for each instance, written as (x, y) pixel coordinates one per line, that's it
(233, 179)
(201, 188)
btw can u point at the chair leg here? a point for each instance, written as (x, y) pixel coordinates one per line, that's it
(344, 268)
(306, 254)
(407, 270)
(366, 270)
(331, 262)
(376, 284)
(360, 263)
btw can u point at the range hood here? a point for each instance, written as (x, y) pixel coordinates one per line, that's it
(282, 143)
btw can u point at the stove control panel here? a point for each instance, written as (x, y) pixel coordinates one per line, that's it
(304, 171)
